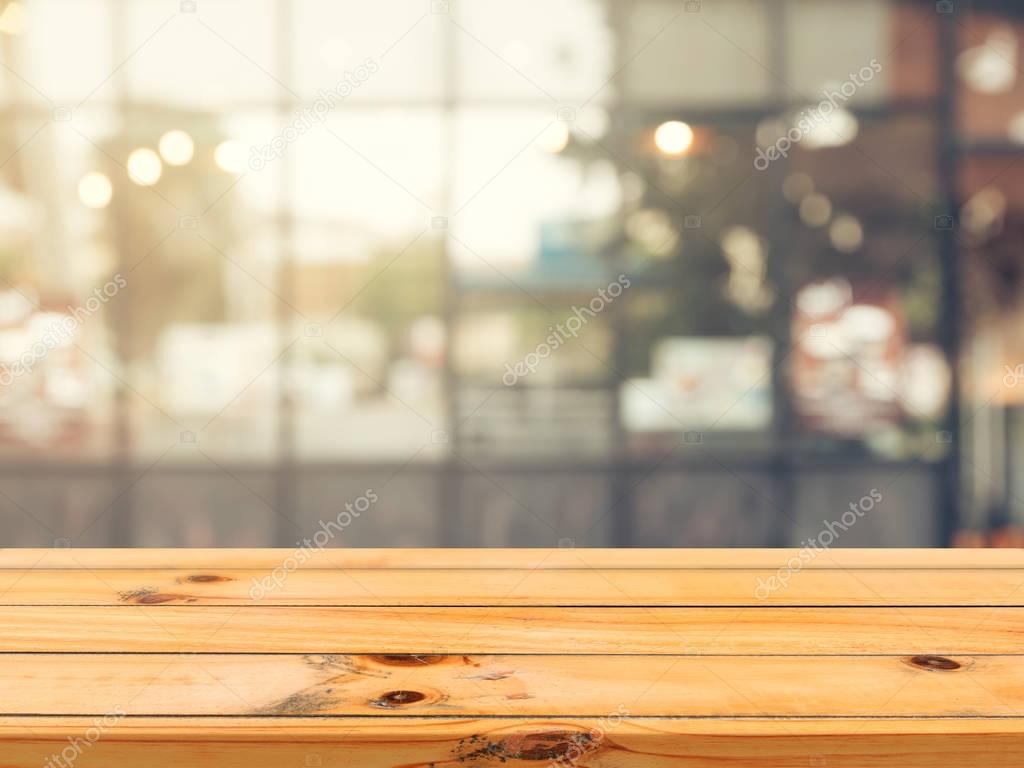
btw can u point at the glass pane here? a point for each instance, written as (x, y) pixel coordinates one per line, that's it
(859, 509)
(714, 507)
(697, 238)
(368, 386)
(990, 236)
(204, 54)
(885, 165)
(555, 423)
(912, 54)
(368, 278)
(866, 367)
(60, 288)
(852, 67)
(62, 507)
(697, 53)
(204, 506)
(533, 196)
(384, 506)
(505, 339)
(401, 42)
(200, 253)
(56, 53)
(504, 52)
(529, 509)
(990, 87)
(375, 172)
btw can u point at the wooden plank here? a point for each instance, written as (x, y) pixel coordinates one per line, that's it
(596, 658)
(479, 559)
(514, 743)
(584, 587)
(501, 685)
(745, 631)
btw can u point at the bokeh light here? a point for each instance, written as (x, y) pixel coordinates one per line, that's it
(144, 167)
(95, 190)
(673, 138)
(176, 148)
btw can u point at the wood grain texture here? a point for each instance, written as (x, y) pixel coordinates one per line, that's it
(510, 586)
(521, 558)
(589, 658)
(643, 686)
(517, 743)
(499, 629)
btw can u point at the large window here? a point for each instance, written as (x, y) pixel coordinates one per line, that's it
(573, 273)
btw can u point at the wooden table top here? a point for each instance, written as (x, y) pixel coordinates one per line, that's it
(434, 658)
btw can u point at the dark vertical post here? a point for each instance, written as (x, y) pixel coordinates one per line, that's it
(783, 465)
(951, 270)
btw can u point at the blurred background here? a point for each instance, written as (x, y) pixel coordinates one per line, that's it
(573, 273)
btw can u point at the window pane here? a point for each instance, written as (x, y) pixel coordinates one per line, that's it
(697, 238)
(853, 66)
(58, 507)
(897, 507)
(402, 38)
(389, 505)
(368, 280)
(532, 197)
(697, 53)
(204, 506)
(990, 87)
(530, 509)
(990, 228)
(505, 338)
(375, 172)
(61, 287)
(199, 247)
(866, 366)
(222, 53)
(504, 52)
(715, 507)
(61, 51)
